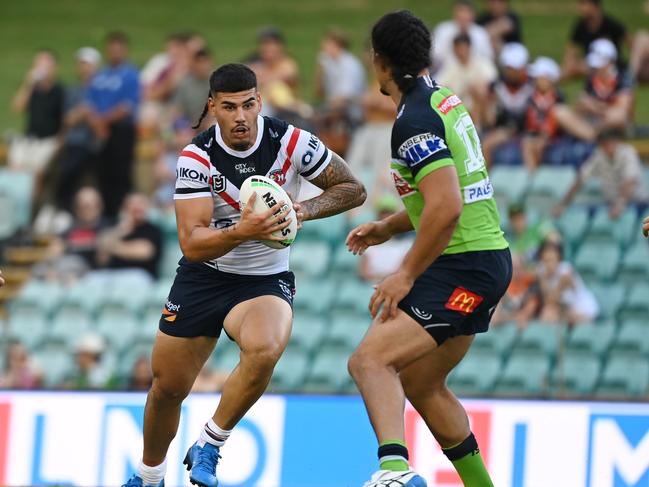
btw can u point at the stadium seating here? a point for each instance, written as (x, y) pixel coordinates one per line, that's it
(548, 185)
(510, 183)
(592, 339)
(17, 185)
(291, 370)
(308, 331)
(526, 373)
(477, 373)
(542, 338)
(577, 374)
(329, 370)
(625, 375)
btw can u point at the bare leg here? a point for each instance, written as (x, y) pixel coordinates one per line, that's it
(175, 362)
(424, 383)
(387, 348)
(639, 51)
(261, 327)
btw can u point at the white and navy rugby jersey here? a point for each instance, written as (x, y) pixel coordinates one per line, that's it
(209, 168)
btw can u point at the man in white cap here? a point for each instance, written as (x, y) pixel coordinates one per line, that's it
(505, 106)
(80, 143)
(548, 116)
(607, 100)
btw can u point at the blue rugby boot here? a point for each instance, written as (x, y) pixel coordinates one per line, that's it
(201, 462)
(388, 478)
(136, 481)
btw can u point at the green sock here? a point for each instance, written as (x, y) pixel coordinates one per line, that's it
(468, 463)
(393, 455)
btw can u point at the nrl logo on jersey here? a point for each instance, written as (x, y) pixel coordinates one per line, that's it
(420, 147)
(218, 183)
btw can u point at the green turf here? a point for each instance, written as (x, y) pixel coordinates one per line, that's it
(65, 25)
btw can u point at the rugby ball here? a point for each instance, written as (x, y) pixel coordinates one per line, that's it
(269, 195)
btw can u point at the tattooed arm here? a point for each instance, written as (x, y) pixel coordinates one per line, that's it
(342, 191)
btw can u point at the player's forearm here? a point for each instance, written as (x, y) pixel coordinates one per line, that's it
(398, 223)
(335, 199)
(436, 230)
(203, 244)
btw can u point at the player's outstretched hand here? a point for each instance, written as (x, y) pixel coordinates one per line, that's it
(389, 292)
(645, 227)
(366, 235)
(2, 281)
(260, 226)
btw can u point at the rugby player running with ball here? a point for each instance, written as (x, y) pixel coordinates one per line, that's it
(459, 266)
(227, 279)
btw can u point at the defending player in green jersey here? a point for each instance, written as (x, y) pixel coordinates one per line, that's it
(450, 281)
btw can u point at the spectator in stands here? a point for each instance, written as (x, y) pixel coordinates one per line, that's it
(165, 170)
(20, 371)
(501, 22)
(134, 243)
(463, 22)
(548, 117)
(468, 74)
(505, 107)
(525, 238)
(384, 259)
(160, 77)
(639, 60)
(41, 96)
(113, 98)
(564, 296)
(190, 94)
(593, 23)
(618, 168)
(141, 376)
(340, 78)
(90, 372)
(607, 100)
(271, 63)
(80, 145)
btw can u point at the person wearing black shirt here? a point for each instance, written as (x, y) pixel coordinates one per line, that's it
(41, 96)
(502, 24)
(593, 24)
(134, 243)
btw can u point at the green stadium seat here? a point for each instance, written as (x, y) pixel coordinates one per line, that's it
(117, 327)
(130, 354)
(128, 295)
(625, 375)
(290, 371)
(610, 298)
(574, 224)
(332, 230)
(353, 295)
(348, 329)
(595, 339)
(314, 295)
(637, 303)
(604, 230)
(329, 370)
(510, 183)
(86, 294)
(635, 265)
(69, 325)
(8, 221)
(477, 373)
(590, 193)
(526, 373)
(19, 185)
(548, 186)
(226, 355)
(577, 374)
(38, 294)
(310, 258)
(308, 330)
(56, 361)
(171, 254)
(634, 337)
(344, 262)
(29, 325)
(598, 262)
(542, 337)
(499, 339)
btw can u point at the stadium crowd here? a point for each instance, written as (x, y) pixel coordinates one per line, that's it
(82, 141)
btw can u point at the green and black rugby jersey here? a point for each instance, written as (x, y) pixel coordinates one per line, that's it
(433, 129)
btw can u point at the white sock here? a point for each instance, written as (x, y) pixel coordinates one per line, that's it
(213, 435)
(152, 475)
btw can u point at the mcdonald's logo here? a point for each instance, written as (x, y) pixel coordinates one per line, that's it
(463, 301)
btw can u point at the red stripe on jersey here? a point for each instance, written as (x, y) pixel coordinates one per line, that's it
(196, 157)
(229, 200)
(289, 150)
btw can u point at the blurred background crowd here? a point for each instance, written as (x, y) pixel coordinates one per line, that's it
(88, 231)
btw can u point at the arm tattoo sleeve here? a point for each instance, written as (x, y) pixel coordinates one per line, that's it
(342, 191)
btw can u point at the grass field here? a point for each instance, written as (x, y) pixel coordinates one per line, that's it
(230, 27)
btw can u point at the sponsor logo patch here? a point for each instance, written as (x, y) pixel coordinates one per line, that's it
(449, 103)
(403, 188)
(278, 176)
(186, 174)
(463, 301)
(482, 190)
(244, 168)
(420, 147)
(170, 311)
(422, 315)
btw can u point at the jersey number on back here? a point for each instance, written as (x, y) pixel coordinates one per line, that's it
(467, 132)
